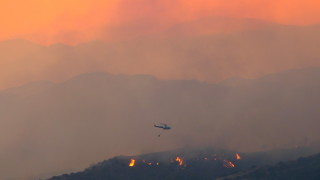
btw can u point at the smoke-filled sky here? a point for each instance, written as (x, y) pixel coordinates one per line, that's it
(207, 40)
(73, 21)
(71, 123)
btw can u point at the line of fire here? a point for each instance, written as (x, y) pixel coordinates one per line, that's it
(180, 161)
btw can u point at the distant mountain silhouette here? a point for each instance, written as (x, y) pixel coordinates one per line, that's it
(30, 88)
(259, 48)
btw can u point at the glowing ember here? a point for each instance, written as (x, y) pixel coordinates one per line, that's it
(228, 164)
(132, 162)
(178, 159)
(237, 156)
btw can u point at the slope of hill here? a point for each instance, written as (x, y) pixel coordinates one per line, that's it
(303, 168)
(182, 164)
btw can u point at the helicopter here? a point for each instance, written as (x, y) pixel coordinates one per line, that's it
(163, 126)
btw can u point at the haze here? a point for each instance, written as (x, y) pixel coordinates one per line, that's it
(82, 81)
(48, 22)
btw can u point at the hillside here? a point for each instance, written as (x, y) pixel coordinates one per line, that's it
(182, 164)
(302, 168)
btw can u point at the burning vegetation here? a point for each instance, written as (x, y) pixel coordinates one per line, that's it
(228, 164)
(179, 160)
(237, 156)
(180, 165)
(201, 164)
(132, 163)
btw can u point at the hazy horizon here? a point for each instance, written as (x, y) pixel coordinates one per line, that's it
(177, 54)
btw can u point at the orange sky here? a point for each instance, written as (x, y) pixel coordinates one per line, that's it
(73, 21)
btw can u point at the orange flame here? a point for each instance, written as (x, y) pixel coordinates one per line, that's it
(228, 164)
(237, 156)
(180, 160)
(132, 162)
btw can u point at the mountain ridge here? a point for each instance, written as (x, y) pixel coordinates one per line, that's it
(247, 54)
